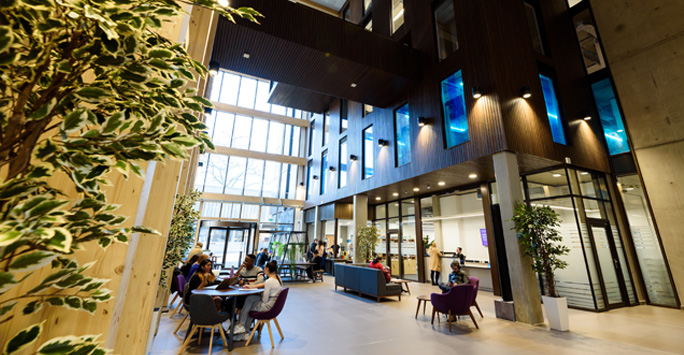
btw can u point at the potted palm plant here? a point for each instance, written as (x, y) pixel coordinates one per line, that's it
(536, 229)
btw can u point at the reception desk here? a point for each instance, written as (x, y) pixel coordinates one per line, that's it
(481, 270)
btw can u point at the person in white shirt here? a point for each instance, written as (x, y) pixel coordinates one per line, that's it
(260, 303)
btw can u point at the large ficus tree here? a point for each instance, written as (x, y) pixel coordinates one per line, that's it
(87, 87)
(181, 233)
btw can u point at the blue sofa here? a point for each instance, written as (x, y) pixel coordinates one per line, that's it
(365, 281)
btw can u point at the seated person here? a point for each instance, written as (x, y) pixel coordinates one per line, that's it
(316, 260)
(456, 277)
(376, 264)
(185, 269)
(196, 265)
(201, 279)
(250, 274)
(260, 303)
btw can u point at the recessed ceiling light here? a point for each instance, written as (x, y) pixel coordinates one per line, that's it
(245, 55)
(353, 85)
(584, 173)
(557, 175)
(472, 176)
(378, 198)
(416, 189)
(441, 183)
(395, 194)
(628, 188)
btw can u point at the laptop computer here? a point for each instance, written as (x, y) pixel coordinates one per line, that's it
(227, 282)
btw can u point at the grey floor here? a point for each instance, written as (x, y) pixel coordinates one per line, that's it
(317, 319)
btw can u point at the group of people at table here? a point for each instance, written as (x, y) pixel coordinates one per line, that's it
(198, 272)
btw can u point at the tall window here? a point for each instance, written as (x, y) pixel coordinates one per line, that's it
(534, 27)
(326, 127)
(311, 136)
(367, 6)
(368, 152)
(324, 171)
(309, 179)
(346, 15)
(589, 42)
(611, 120)
(397, 14)
(403, 135)
(369, 25)
(552, 109)
(344, 115)
(445, 28)
(455, 116)
(367, 109)
(343, 159)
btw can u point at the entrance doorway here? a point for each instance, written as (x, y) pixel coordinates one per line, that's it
(608, 263)
(227, 243)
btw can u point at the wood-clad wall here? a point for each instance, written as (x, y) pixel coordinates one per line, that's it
(495, 53)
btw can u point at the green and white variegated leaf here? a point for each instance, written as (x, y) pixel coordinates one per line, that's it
(6, 38)
(23, 339)
(7, 307)
(61, 240)
(72, 345)
(7, 281)
(31, 261)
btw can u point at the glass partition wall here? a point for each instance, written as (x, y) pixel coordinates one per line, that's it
(597, 276)
(397, 244)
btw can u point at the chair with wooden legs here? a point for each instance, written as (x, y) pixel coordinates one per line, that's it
(456, 302)
(203, 314)
(476, 284)
(268, 316)
(181, 286)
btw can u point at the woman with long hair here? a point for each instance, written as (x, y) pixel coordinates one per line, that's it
(185, 269)
(260, 303)
(200, 279)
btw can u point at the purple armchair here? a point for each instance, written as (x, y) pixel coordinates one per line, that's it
(266, 317)
(476, 284)
(456, 302)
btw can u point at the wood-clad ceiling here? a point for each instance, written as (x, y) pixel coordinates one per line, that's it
(301, 47)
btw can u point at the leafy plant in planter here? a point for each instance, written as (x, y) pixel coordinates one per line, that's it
(181, 233)
(536, 229)
(87, 87)
(366, 239)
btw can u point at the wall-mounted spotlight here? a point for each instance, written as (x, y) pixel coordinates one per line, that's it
(353, 157)
(382, 143)
(477, 92)
(586, 115)
(525, 92)
(332, 169)
(422, 121)
(315, 177)
(214, 68)
(301, 184)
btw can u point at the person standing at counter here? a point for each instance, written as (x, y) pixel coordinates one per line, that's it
(460, 256)
(456, 277)
(435, 264)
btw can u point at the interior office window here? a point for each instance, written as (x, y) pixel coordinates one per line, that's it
(344, 161)
(326, 127)
(611, 120)
(311, 136)
(253, 177)
(309, 179)
(235, 179)
(344, 115)
(367, 6)
(369, 25)
(324, 170)
(368, 157)
(455, 116)
(445, 28)
(552, 109)
(403, 135)
(367, 109)
(534, 27)
(397, 15)
(589, 42)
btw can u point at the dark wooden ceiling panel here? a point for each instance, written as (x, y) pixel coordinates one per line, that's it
(302, 47)
(299, 98)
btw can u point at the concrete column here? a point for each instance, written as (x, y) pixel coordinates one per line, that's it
(526, 298)
(360, 215)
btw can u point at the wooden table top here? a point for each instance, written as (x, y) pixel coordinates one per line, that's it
(424, 297)
(228, 293)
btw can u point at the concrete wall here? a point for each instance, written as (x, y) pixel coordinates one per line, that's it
(644, 46)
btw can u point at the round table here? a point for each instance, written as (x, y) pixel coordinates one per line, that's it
(231, 292)
(422, 298)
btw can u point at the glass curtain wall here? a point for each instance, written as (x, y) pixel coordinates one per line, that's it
(397, 244)
(597, 276)
(445, 29)
(648, 250)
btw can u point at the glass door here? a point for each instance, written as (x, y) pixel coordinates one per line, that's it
(393, 258)
(408, 249)
(236, 247)
(217, 244)
(614, 289)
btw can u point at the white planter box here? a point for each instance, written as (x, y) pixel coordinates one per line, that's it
(556, 309)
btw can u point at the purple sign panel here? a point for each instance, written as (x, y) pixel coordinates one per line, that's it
(483, 235)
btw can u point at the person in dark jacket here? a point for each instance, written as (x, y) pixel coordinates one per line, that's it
(262, 258)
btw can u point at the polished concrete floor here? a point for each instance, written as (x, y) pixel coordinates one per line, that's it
(317, 319)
